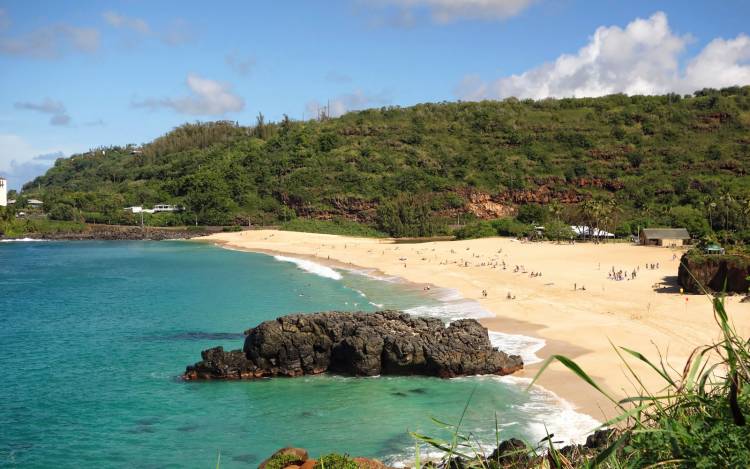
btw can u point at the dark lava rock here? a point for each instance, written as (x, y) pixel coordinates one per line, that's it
(715, 273)
(359, 344)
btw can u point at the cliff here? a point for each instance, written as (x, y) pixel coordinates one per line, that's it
(359, 344)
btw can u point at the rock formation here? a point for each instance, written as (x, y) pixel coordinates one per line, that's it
(716, 273)
(359, 344)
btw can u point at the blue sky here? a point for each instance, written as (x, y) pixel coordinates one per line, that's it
(77, 75)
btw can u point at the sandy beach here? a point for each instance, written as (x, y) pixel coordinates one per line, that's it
(574, 304)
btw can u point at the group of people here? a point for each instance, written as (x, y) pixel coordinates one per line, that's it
(622, 274)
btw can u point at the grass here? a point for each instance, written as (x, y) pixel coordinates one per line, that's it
(698, 419)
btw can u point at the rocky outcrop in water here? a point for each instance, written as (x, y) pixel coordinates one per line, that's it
(717, 273)
(358, 344)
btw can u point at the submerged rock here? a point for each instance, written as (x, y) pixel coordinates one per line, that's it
(359, 344)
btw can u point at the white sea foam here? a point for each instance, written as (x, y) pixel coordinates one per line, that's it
(516, 344)
(548, 413)
(451, 310)
(312, 267)
(373, 274)
(22, 240)
(544, 413)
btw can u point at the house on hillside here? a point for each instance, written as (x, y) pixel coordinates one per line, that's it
(34, 203)
(666, 237)
(166, 208)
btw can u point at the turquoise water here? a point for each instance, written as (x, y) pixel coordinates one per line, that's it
(94, 335)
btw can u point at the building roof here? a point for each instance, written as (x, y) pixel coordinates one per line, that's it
(589, 231)
(35, 201)
(665, 233)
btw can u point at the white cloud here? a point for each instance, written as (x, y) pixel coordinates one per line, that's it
(179, 32)
(242, 66)
(47, 106)
(176, 33)
(344, 103)
(721, 63)
(4, 20)
(642, 58)
(20, 161)
(447, 11)
(48, 42)
(119, 21)
(209, 97)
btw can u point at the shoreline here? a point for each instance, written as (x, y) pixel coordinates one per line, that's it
(644, 314)
(560, 387)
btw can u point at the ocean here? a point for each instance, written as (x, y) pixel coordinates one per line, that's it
(94, 337)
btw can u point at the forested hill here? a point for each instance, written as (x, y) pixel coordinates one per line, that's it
(616, 161)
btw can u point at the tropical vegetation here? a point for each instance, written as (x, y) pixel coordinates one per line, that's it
(617, 162)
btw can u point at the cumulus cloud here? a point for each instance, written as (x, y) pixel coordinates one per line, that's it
(344, 103)
(447, 11)
(48, 42)
(240, 65)
(208, 97)
(642, 58)
(59, 115)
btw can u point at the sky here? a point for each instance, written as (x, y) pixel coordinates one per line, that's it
(76, 75)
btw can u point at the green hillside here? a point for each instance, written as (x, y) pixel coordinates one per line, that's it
(616, 161)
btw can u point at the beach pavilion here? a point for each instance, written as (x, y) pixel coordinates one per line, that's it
(667, 237)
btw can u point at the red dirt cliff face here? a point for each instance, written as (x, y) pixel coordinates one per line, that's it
(716, 273)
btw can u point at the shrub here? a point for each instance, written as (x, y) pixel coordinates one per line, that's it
(511, 227)
(280, 461)
(337, 226)
(335, 461)
(482, 229)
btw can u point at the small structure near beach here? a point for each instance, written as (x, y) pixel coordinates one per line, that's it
(582, 231)
(666, 237)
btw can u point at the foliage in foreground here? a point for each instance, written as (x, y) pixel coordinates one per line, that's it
(280, 461)
(697, 420)
(335, 461)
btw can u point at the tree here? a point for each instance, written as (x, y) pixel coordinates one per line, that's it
(556, 230)
(532, 214)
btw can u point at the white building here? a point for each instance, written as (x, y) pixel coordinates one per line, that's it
(166, 208)
(589, 232)
(3, 192)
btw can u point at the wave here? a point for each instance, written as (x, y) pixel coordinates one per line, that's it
(312, 267)
(22, 240)
(516, 344)
(548, 412)
(451, 310)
